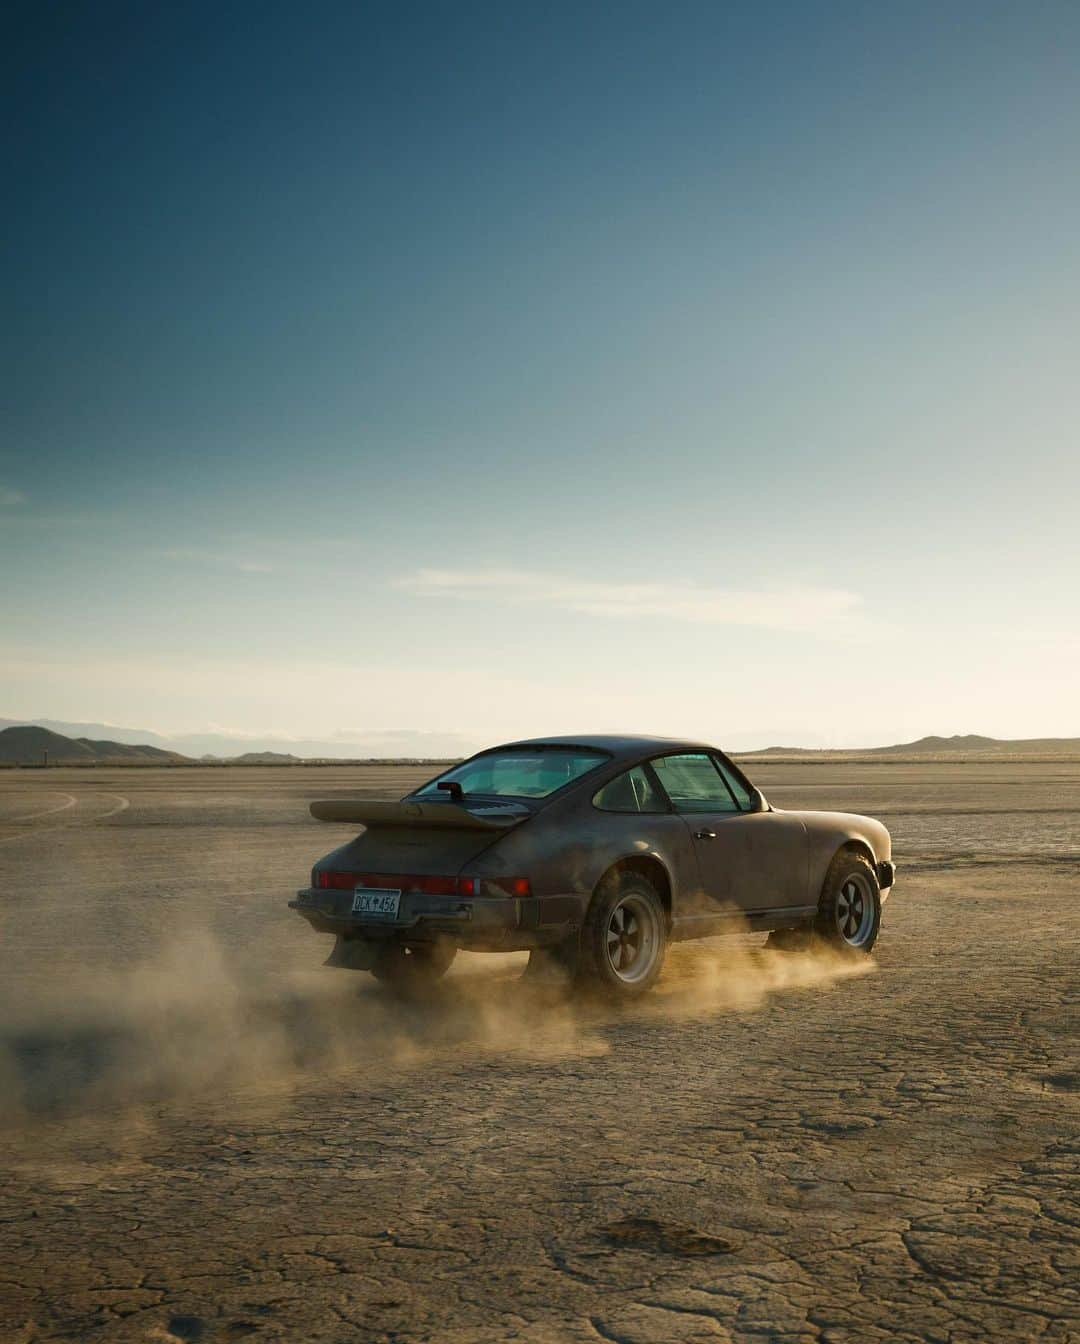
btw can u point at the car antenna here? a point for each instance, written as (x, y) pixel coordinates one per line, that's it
(453, 788)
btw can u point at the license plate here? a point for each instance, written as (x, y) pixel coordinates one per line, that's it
(379, 901)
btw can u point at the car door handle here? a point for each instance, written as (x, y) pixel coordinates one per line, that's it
(704, 835)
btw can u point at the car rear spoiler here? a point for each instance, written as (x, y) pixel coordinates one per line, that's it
(425, 816)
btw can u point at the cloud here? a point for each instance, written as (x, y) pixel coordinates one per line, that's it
(217, 560)
(792, 607)
(11, 499)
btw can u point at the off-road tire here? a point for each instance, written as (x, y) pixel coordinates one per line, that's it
(623, 962)
(849, 911)
(408, 968)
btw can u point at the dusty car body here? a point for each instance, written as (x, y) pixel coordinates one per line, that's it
(462, 862)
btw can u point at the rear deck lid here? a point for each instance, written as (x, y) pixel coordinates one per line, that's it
(415, 838)
(374, 813)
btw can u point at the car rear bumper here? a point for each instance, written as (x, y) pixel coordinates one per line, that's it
(485, 923)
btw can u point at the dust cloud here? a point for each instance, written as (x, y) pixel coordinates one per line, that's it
(195, 1019)
(737, 974)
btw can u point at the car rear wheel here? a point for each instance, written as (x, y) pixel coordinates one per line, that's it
(624, 938)
(404, 967)
(849, 913)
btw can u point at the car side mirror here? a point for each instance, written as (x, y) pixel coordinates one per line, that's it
(757, 801)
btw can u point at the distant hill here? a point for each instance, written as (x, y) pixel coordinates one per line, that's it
(960, 744)
(122, 751)
(96, 732)
(32, 745)
(265, 758)
(973, 742)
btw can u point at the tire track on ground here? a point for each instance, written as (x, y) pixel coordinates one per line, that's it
(121, 806)
(76, 824)
(44, 812)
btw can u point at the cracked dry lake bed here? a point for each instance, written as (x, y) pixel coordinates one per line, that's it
(206, 1137)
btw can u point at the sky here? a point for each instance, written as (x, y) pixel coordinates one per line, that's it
(499, 370)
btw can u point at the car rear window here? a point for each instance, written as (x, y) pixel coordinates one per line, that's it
(517, 774)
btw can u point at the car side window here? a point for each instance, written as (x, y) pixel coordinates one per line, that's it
(633, 791)
(739, 790)
(693, 783)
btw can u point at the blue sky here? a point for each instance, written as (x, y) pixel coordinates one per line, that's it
(492, 370)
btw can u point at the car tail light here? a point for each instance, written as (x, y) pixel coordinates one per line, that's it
(329, 879)
(494, 886)
(437, 886)
(423, 882)
(336, 881)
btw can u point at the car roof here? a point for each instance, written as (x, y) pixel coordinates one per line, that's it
(621, 746)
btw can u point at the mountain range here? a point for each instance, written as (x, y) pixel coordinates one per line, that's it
(30, 744)
(349, 744)
(357, 744)
(24, 743)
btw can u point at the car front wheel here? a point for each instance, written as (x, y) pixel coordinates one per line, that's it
(624, 937)
(849, 913)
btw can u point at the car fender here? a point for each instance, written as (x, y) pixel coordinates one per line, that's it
(568, 855)
(828, 832)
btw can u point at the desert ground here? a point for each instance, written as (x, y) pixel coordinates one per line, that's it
(206, 1136)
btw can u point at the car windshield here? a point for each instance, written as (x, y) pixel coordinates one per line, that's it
(518, 773)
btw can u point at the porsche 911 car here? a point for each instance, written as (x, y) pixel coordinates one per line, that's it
(592, 853)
